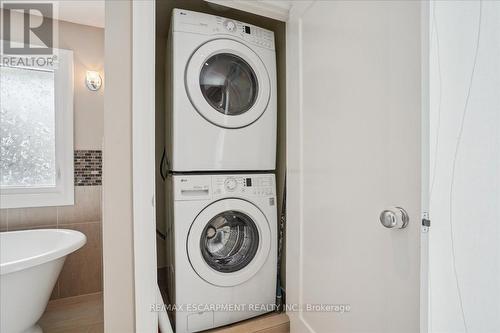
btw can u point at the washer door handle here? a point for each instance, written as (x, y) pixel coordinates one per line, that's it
(394, 218)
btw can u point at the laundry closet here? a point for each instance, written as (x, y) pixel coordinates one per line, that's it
(220, 156)
(351, 121)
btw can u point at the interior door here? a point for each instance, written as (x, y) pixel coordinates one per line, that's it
(354, 117)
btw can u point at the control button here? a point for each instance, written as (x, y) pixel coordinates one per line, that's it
(230, 26)
(231, 184)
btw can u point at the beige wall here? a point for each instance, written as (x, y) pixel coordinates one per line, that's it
(117, 170)
(87, 44)
(82, 272)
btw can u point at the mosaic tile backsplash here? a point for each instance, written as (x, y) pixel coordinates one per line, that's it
(88, 167)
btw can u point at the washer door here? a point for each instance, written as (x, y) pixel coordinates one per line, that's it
(228, 242)
(227, 83)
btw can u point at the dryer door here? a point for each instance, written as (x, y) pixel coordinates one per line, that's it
(227, 83)
(228, 242)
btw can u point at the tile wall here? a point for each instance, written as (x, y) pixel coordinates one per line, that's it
(88, 167)
(82, 271)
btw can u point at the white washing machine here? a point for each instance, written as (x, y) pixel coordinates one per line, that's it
(221, 84)
(221, 249)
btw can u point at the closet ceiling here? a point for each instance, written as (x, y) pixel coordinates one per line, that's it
(275, 9)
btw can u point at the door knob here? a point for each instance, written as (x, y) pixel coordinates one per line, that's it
(395, 217)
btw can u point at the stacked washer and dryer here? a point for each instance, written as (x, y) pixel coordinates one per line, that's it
(221, 154)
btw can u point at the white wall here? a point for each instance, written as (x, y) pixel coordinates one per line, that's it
(465, 197)
(117, 224)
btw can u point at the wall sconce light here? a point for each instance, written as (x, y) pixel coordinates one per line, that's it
(93, 80)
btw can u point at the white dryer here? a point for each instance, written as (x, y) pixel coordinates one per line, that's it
(221, 84)
(222, 249)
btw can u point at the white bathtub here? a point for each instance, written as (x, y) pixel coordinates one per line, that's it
(30, 262)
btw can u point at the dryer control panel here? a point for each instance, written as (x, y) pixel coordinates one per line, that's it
(194, 22)
(205, 187)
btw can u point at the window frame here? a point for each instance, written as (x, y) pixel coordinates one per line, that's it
(63, 193)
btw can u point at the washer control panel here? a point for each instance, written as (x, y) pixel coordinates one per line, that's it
(258, 185)
(229, 25)
(205, 187)
(189, 21)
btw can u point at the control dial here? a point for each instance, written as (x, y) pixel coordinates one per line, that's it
(230, 184)
(230, 26)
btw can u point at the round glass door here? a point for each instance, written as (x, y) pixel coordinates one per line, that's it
(229, 84)
(229, 241)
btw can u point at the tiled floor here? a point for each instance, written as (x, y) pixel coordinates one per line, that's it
(80, 314)
(84, 314)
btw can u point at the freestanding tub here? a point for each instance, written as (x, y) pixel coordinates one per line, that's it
(30, 262)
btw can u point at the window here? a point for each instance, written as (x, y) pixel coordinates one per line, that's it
(36, 134)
